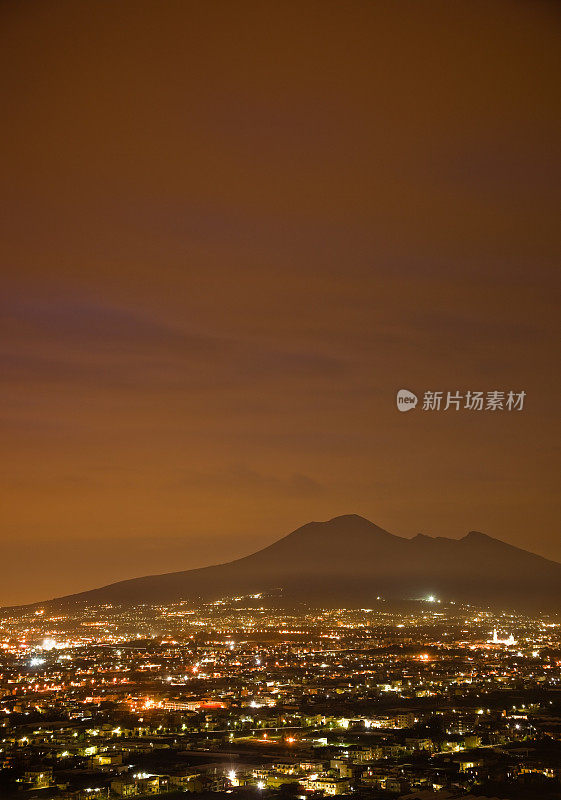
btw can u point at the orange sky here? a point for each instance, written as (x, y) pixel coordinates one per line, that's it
(230, 232)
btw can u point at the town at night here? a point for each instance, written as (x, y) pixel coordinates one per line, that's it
(246, 696)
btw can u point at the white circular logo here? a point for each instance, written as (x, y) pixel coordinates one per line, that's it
(406, 400)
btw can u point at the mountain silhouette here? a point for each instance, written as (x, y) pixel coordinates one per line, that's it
(351, 560)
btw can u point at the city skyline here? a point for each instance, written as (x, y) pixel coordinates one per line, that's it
(242, 696)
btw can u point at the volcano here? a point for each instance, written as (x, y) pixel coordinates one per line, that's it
(350, 560)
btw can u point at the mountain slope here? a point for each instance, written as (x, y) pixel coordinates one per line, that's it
(350, 560)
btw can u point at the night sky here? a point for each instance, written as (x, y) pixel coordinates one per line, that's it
(230, 233)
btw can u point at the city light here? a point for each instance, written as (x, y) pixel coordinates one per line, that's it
(116, 705)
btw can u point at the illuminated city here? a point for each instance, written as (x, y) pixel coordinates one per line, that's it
(279, 415)
(245, 695)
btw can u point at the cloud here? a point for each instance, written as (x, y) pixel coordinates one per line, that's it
(73, 340)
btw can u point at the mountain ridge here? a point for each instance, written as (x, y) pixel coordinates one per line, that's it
(349, 559)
